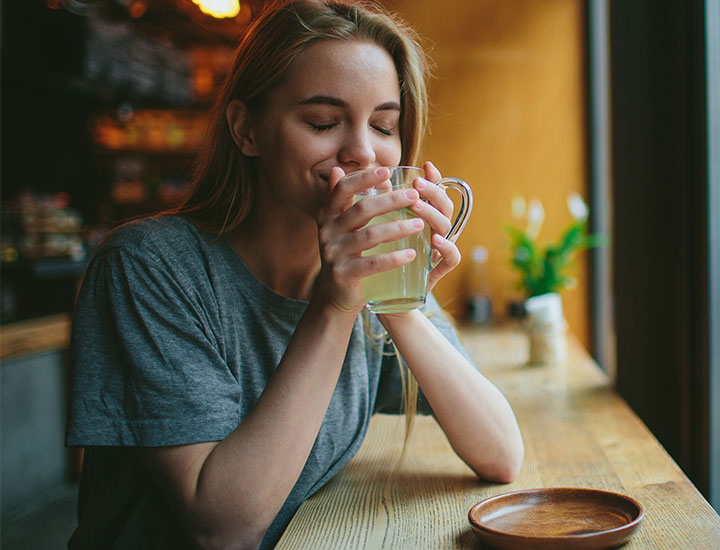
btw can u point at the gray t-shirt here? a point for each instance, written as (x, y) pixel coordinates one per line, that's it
(173, 342)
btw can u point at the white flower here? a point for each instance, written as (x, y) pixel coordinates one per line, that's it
(536, 217)
(578, 208)
(518, 207)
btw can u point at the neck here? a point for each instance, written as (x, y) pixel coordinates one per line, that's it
(282, 254)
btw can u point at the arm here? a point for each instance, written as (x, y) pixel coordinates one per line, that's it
(473, 413)
(227, 493)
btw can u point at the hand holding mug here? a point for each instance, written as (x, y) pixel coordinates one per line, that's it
(405, 287)
(345, 234)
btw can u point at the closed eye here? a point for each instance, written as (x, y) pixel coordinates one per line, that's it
(384, 131)
(321, 127)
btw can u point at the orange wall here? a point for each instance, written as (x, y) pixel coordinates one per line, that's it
(508, 117)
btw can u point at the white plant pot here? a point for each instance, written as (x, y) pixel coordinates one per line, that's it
(547, 329)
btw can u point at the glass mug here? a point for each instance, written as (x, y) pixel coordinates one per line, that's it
(405, 288)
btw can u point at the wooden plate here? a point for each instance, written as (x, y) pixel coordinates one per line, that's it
(559, 517)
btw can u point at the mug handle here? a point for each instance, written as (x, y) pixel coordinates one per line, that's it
(461, 219)
(466, 204)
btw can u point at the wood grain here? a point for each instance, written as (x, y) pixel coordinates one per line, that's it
(578, 433)
(35, 336)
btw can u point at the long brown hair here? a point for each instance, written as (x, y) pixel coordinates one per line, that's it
(223, 188)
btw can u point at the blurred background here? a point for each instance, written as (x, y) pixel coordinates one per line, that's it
(103, 102)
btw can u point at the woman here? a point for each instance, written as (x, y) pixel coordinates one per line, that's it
(223, 371)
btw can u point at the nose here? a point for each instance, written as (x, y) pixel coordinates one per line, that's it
(357, 151)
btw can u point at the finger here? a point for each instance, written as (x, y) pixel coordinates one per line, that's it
(436, 219)
(373, 235)
(347, 187)
(367, 208)
(336, 173)
(365, 266)
(448, 250)
(327, 213)
(435, 195)
(432, 174)
(450, 255)
(355, 183)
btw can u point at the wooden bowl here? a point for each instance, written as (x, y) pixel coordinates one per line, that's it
(556, 517)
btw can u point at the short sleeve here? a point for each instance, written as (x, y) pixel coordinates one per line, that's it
(148, 363)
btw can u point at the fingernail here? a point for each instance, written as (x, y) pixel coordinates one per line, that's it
(411, 194)
(410, 253)
(439, 239)
(417, 222)
(382, 172)
(420, 183)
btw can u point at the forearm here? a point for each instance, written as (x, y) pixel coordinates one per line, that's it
(473, 413)
(232, 493)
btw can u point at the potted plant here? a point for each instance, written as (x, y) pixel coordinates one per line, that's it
(543, 272)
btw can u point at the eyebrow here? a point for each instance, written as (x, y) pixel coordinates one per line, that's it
(337, 102)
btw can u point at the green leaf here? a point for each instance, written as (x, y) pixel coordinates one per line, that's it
(573, 238)
(543, 270)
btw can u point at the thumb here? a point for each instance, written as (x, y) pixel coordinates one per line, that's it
(335, 175)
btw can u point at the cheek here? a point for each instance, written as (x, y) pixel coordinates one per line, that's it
(300, 142)
(389, 152)
(288, 144)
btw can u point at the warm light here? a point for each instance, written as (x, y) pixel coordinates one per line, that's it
(219, 8)
(138, 8)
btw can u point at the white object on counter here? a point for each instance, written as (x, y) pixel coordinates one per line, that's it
(547, 329)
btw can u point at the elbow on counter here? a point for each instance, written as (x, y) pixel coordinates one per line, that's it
(513, 454)
(513, 464)
(506, 465)
(507, 474)
(500, 473)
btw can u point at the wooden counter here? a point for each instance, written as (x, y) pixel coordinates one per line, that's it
(577, 432)
(35, 336)
(33, 391)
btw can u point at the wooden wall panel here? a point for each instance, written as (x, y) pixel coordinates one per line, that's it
(508, 116)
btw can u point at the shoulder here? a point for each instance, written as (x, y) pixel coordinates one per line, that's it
(166, 239)
(151, 234)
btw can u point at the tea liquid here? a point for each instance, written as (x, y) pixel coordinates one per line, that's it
(403, 288)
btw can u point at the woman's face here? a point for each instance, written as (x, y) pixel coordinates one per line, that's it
(338, 106)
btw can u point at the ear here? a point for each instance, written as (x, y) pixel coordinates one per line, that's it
(238, 119)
